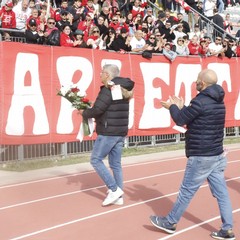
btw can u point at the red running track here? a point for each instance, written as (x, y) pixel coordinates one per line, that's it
(68, 207)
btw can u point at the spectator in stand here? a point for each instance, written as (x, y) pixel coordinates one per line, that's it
(178, 32)
(22, 12)
(215, 47)
(186, 39)
(138, 43)
(89, 9)
(32, 4)
(6, 37)
(86, 26)
(110, 38)
(193, 45)
(149, 22)
(105, 12)
(227, 50)
(167, 32)
(153, 45)
(52, 33)
(168, 52)
(63, 8)
(196, 31)
(191, 15)
(237, 36)
(77, 12)
(66, 37)
(238, 49)
(79, 37)
(228, 25)
(36, 16)
(102, 27)
(149, 12)
(66, 19)
(116, 25)
(181, 48)
(95, 41)
(7, 16)
(137, 9)
(122, 42)
(97, 7)
(159, 39)
(32, 34)
(198, 18)
(209, 6)
(203, 49)
(207, 39)
(218, 20)
(220, 6)
(130, 23)
(160, 22)
(170, 17)
(186, 27)
(145, 33)
(111, 4)
(138, 20)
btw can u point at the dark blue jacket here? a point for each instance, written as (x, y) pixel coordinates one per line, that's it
(111, 116)
(205, 119)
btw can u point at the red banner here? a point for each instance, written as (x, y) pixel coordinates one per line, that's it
(31, 112)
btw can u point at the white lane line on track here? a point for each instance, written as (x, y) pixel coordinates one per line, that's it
(195, 226)
(104, 213)
(85, 190)
(92, 171)
(88, 172)
(90, 189)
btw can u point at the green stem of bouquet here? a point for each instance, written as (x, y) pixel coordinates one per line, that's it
(86, 130)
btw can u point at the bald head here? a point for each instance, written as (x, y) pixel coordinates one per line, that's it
(206, 77)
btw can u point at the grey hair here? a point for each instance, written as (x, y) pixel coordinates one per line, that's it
(112, 69)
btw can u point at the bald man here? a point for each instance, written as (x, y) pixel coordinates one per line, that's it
(204, 119)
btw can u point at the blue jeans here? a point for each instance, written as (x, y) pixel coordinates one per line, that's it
(111, 146)
(199, 169)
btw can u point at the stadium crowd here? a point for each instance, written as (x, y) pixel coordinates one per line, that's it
(123, 26)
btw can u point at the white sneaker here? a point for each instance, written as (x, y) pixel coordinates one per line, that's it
(112, 196)
(119, 201)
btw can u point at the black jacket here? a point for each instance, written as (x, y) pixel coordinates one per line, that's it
(33, 37)
(111, 116)
(120, 44)
(205, 119)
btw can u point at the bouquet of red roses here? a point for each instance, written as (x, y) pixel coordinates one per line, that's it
(75, 96)
(78, 100)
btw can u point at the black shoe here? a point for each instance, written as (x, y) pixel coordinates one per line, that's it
(223, 234)
(163, 224)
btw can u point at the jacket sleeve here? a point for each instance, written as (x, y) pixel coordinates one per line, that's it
(187, 114)
(101, 104)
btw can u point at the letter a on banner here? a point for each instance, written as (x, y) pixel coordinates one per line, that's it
(24, 96)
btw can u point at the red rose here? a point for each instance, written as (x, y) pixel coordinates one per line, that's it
(85, 100)
(75, 90)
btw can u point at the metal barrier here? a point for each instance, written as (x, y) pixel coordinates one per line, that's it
(13, 35)
(64, 150)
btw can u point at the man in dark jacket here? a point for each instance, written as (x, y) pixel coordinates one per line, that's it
(122, 42)
(111, 113)
(204, 119)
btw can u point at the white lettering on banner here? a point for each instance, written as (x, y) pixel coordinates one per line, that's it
(27, 96)
(187, 80)
(66, 67)
(152, 117)
(131, 104)
(237, 107)
(223, 73)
